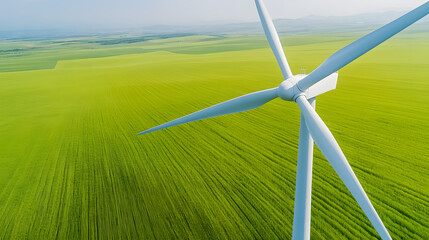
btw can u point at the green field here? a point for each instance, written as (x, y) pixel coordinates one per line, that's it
(71, 165)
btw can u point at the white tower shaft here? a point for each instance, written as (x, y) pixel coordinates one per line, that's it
(302, 212)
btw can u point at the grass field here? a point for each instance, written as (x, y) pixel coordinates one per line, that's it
(71, 165)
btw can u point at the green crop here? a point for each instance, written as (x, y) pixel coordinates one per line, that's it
(71, 165)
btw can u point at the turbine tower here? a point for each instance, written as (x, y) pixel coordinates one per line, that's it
(303, 89)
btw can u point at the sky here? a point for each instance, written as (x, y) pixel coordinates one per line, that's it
(48, 14)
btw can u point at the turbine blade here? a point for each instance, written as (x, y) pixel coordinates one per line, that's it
(361, 46)
(332, 151)
(273, 38)
(240, 104)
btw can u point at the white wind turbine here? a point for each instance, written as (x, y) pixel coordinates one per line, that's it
(303, 89)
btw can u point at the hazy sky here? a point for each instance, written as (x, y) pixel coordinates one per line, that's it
(36, 14)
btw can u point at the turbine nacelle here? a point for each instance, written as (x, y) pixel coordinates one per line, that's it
(289, 89)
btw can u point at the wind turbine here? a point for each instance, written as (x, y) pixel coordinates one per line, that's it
(303, 89)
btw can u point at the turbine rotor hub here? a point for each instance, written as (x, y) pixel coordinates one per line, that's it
(288, 89)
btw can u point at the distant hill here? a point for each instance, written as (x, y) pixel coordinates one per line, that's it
(309, 24)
